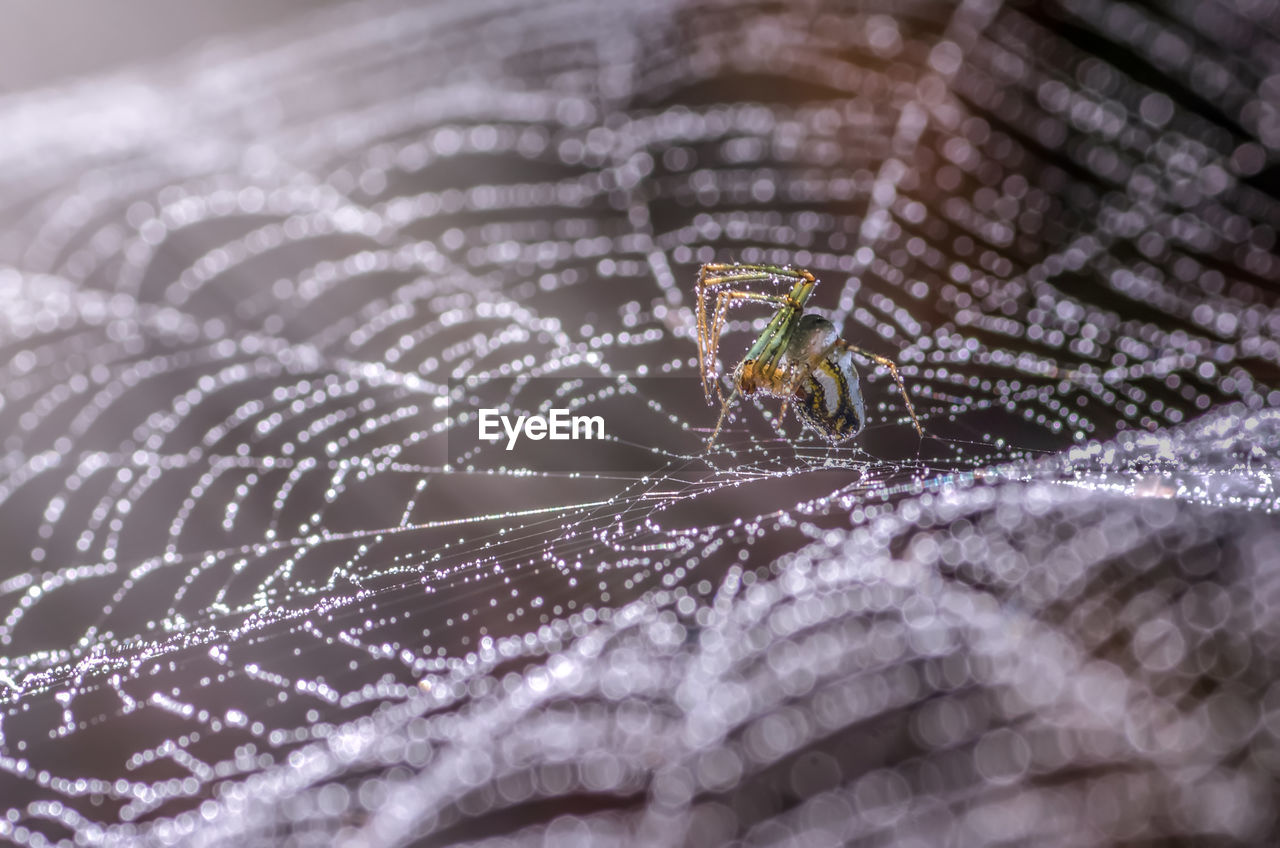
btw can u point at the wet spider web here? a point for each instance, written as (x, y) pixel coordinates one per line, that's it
(252, 592)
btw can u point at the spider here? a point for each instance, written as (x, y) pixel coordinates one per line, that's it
(799, 357)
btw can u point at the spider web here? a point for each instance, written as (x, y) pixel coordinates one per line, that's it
(253, 593)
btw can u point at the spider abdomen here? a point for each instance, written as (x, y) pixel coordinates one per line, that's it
(829, 399)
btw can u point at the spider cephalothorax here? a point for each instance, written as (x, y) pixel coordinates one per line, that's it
(799, 357)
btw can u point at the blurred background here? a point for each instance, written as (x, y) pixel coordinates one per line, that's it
(261, 264)
(49, 43)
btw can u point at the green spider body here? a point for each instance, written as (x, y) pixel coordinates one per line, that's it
(799, 357)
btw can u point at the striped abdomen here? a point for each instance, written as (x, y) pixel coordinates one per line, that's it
(829, 399)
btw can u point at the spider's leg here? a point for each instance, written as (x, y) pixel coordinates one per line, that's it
(717, 328)
(893, 369)
(705, 360)
(769, 348)
(798, 295)
(772, 344)
(732, 272)
(714, 276)
(795, 375)
(724, 411)
(709, 336)
(710, 279)
(702, 328)
(723, 301)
